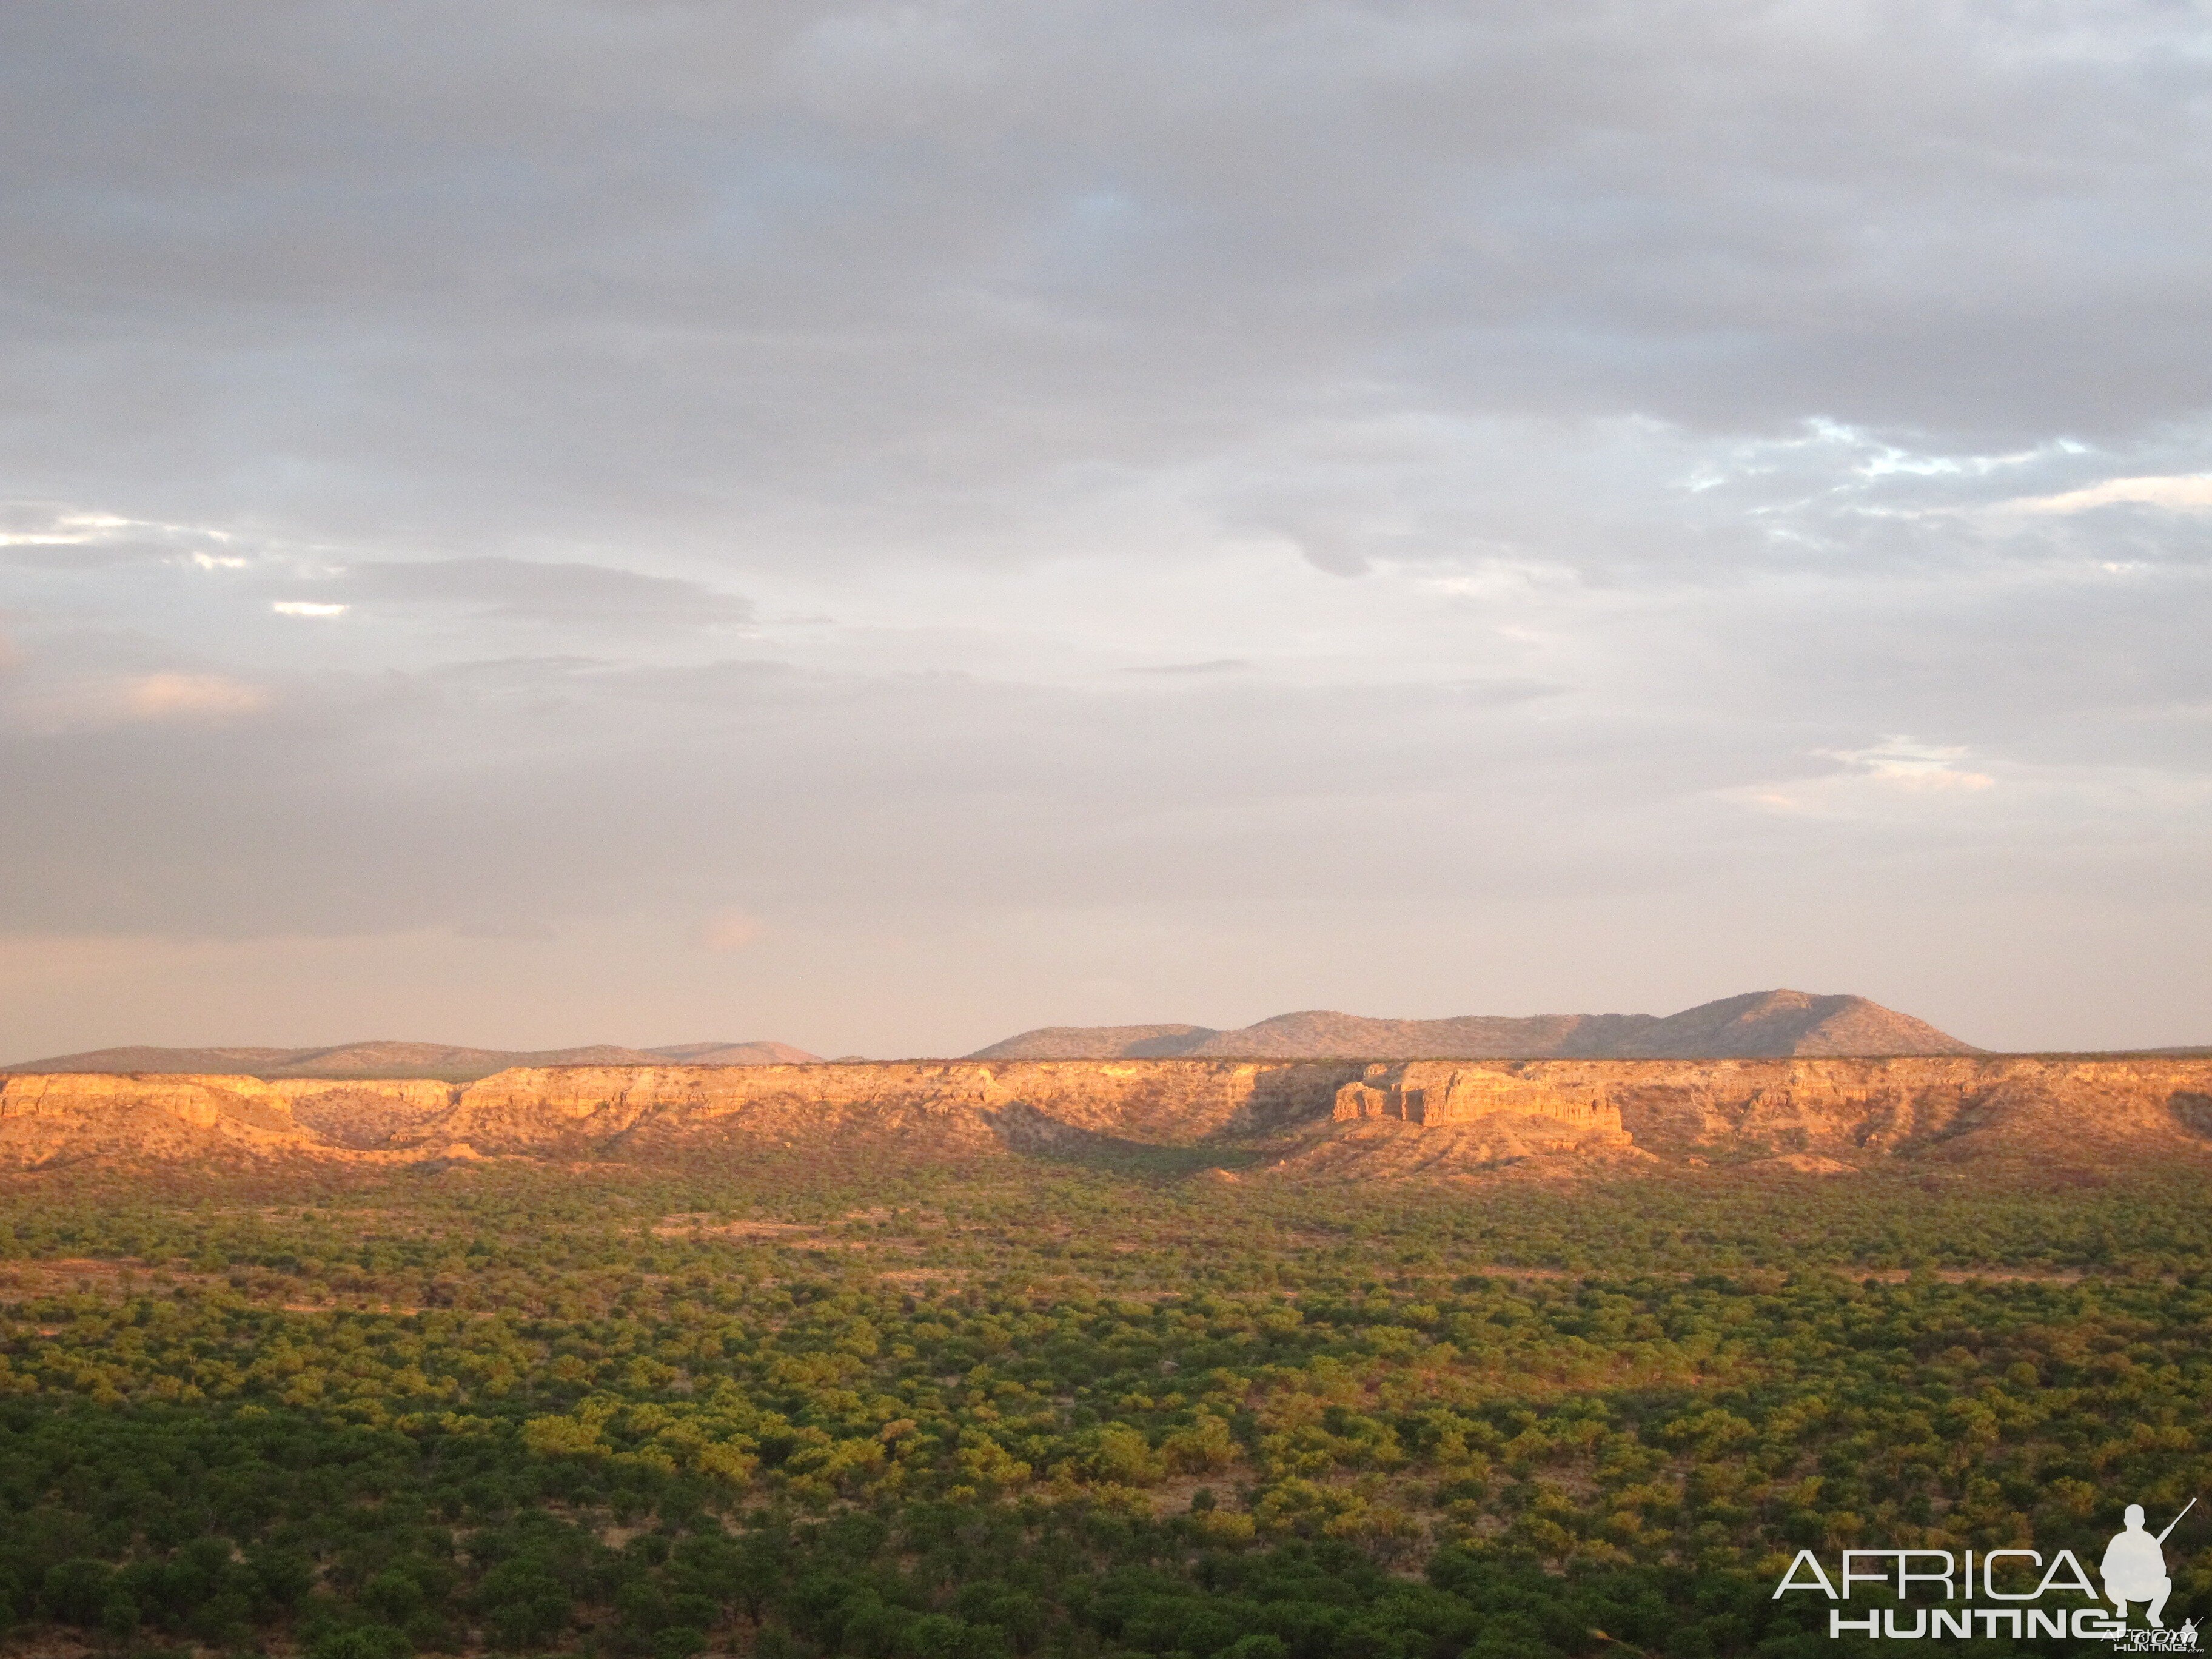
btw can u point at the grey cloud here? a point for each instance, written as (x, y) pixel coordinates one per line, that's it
(731, 268)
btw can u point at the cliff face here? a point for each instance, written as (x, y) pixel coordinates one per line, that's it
(64, 1117)
(1434, 1093)
(1935, 1108)
(957, 1102)
(1319, 1118)
(1432, 1117)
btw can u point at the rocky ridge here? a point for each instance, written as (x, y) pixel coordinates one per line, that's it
(1300, 1118)
(1757, 1023)
(405, 1059)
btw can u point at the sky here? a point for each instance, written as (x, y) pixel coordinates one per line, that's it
(883, 525)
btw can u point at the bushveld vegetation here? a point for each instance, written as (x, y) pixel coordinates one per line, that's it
(1064, 1410)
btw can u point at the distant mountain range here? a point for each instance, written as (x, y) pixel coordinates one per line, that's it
(1760, 1024)
(404, 1060)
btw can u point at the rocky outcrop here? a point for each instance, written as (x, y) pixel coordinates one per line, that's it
(1431, 1117)
(1348, 1119)
(1433, 1093)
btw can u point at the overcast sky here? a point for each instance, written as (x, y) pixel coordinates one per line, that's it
(880, 525)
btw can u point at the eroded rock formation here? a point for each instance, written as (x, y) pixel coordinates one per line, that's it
(1434, 1092)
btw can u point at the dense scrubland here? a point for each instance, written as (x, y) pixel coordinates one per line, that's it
(1065, 1409)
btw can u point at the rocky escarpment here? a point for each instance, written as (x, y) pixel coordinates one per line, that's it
(1313, 1119)
(1832, 1116)
(955, 1103)
(66, 1117)
(644, 1111)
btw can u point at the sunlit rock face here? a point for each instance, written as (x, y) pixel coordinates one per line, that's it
(1432, 1093)
(1371, 1120)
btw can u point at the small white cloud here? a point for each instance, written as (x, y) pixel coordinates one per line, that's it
(1877, 774)
(223, 561)
(2182, 492)
(725, 931)
(308, 608)
(1903, 764)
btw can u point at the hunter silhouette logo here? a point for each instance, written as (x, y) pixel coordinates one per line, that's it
(2135, 1565)
(2133, 1569)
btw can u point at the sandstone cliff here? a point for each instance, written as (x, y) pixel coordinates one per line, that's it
(1435, 1118)
(1336, 1118)
(956, 1102)
(1433, 1093)
(64, 1117)
(1832, 1116)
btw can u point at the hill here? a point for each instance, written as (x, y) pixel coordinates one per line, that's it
(1102, 1042)
(1760, 1024)
(404, 1060)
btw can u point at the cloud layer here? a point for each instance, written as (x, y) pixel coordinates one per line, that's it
(881, 524)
